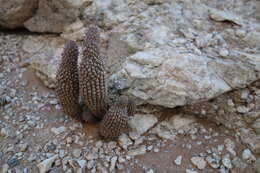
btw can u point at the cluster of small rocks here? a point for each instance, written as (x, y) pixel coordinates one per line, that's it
(237, 110)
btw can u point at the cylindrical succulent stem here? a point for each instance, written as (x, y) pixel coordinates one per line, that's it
(92, 76)
(68, 81)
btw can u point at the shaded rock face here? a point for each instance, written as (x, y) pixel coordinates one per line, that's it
(13, 13)
(52, 16)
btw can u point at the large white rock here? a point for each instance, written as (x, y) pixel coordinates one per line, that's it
(170, 77)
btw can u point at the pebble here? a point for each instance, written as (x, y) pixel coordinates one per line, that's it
(46, 165)
(91, 156)
(248, 156)
(199, 162)
(178, 160)
(150, 171)
(124, 141)
(138, 151)
(23, 147)
(190, 171)
(113, 163)
(242, 109)
(13, 162)
(76, 153)
(58, 130)
(90, 164)
(227, 162)
(223, 52)
(82, 163)
(156, 150)
(5, 168)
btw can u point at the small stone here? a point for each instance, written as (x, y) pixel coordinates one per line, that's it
(141, 123)
(69, 140)
(111, 145)
(150, 171)
(156, 150)
(199, 162)
(46, 165)
(90, 164)
(121, 159)
(5, 168)
(58, 130)
(238, 163)
(149, 148)
(134, 135)
(178, 160)
(227, 162)
(242, 109)
(25, 170)
(31, 158)
(113, 163)
(76, 153)
(82, 163)
(248, 156)
(190, 171)
(23, 147)
(13, 162)
(230, 103)
(91, 156)
(138, 151)
(124, 141)
(223, 52)
(212, 162)
(99, 144)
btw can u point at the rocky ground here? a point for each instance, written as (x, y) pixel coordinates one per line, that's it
(35, 136)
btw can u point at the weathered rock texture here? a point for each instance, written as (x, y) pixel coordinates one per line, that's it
(13, 13)
(238, 110)
(52, 16)
(184, 52)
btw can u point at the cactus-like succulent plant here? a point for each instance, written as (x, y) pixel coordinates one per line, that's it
(92, 76)
(116, 119)
(68, 81)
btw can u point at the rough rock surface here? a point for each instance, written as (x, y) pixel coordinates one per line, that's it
(13, 13)
(238, 110)
(52, 16)
(174, 60)
(177, 60)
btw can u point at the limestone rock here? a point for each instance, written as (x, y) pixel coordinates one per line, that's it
(142, 122)
(199, 162)
(13, 13)
(221, 16)
(46, 165)
(170, 78)
(45, 55)
(166, 128)
(52, 16)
